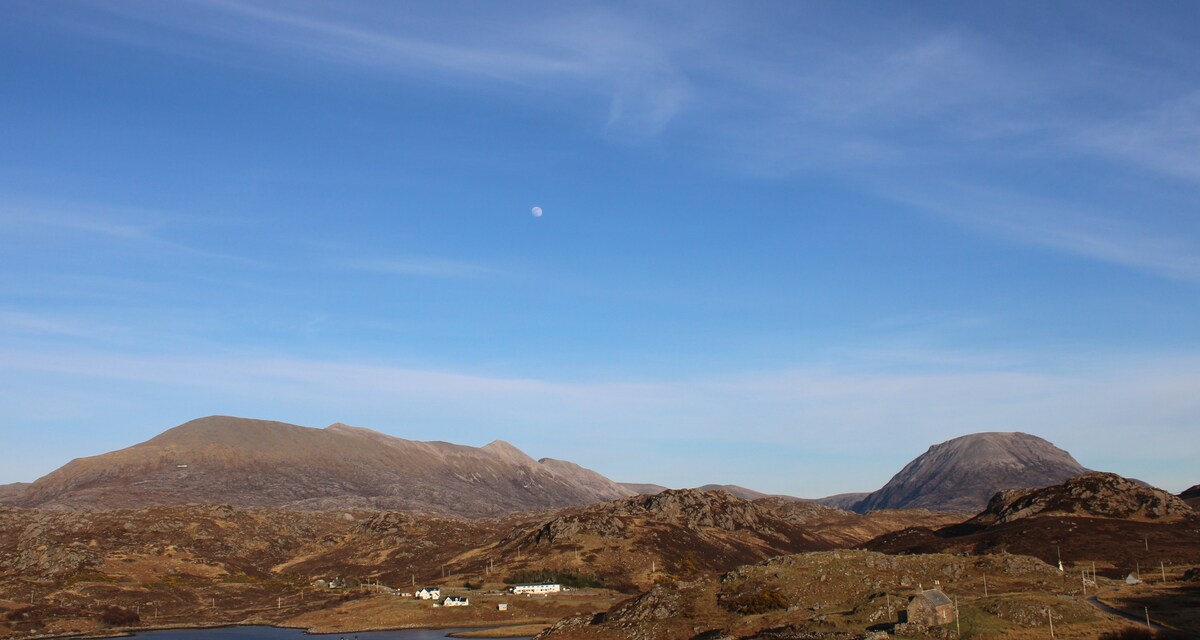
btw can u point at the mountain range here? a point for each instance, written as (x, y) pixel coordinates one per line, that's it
(266, 464)
(259, 463)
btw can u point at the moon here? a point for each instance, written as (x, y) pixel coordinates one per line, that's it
(536, 211)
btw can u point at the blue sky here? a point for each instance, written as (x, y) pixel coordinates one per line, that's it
(785, 245)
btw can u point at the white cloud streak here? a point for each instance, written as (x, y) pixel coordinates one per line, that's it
(426, 267)
(585, 53)
(1100, 409)
(1062, 226)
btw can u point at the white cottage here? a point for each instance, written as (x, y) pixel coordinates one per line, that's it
(541, 588)
(453, 601)
(429, 593)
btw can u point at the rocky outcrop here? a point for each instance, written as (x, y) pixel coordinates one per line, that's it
(263, 464)
(684, 508)
(964, 473)
(1097, 495)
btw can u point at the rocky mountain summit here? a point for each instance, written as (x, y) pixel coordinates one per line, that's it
(259, 463)
(1096, 495)
(964, 473)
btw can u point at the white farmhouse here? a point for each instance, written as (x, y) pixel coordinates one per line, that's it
(429, 593)
(541, 588)
(453, 601)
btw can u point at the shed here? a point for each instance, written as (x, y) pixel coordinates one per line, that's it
(931, 608)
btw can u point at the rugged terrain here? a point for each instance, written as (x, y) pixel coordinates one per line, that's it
(257, 463)
(842, 592)
(964, 473)
(209, 564)
(1098, 517)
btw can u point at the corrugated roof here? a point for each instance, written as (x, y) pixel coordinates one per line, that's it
(935, 597)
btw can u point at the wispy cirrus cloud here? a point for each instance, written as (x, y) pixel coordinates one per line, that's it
(561, 50)
(425, 267)
(129, 226)
(1163, 138)
(1097, 234)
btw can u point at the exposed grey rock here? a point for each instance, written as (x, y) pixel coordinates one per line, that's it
(964, 473)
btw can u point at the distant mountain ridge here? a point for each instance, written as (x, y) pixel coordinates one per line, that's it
(964, 473)
(260, 463)
(1192, 496)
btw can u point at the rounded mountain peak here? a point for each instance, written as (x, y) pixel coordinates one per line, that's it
(963, 473)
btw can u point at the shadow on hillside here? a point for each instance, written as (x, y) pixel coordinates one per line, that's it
(1178, 607)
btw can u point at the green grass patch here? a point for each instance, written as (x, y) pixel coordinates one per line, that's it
(572, 578)
(977, 623)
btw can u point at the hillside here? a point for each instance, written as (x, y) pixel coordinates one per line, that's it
(842, 500)
(836, 594)
(1097, 517)
(642, 488)
(846, 529)
(632, 542)
(1096, 495)
(12, 491)
(1192, 496)
(258, 463)
(964, 473)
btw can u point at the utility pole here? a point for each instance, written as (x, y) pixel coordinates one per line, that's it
(1148, 627)
(278, 603)
(1147, 541)
(1050, 617)
(957, 623)
(1163, 566)
(985, 586)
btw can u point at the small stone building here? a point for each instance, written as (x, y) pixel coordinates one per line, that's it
(931, 608)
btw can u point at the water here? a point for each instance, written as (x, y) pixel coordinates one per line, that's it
(274, 633)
